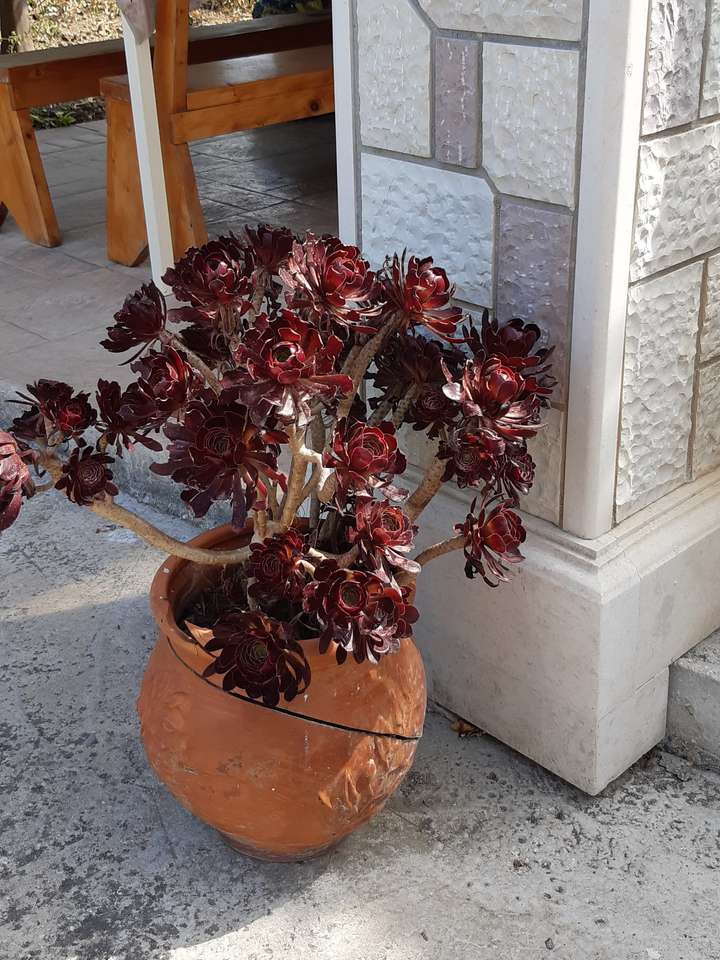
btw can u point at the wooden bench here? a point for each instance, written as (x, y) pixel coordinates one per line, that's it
(195, 103)
(42, 77)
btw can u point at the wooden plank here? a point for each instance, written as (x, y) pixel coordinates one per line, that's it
(210, 84)
(126, 235)
(54, 79)
(309, 101)
(55, 82)
(23, 187)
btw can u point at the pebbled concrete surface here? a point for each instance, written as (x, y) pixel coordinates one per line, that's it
(480, 856)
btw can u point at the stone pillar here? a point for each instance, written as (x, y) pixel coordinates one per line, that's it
(562, 161)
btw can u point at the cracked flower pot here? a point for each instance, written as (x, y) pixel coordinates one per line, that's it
(284, 698)
(279, 783)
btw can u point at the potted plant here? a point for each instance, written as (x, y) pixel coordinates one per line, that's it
(284, 698)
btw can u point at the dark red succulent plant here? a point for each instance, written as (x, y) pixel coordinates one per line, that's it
(271, 246)
(283, 364)
(140, 322)
(217, 453)
(432, 410)
(516, 344)
(259, 655)
(406, 361)
(166, 380)
(365, 614)
(517, 470)
(16, 483)
(364, 457)
(272, 341)
(125, 416)
(423, 294)
(492, 540)
(333, 284)
(474, 456)
(274, 567)
(383, 532)
(213, 276)
(55, 413)
(85, 477)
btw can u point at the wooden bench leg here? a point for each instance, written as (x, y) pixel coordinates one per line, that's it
(126, 236)
(23, 187)
(187, 223)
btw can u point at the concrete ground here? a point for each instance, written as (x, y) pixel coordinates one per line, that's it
(55, 304)
(481, 855)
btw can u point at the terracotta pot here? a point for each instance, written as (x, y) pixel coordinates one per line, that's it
(283, 783)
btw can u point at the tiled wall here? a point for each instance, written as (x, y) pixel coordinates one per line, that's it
(470, 142)
(670, 422)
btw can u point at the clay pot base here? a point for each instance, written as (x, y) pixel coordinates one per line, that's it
(278, 784)
(239, 846)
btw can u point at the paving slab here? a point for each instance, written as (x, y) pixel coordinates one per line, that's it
(481, 855)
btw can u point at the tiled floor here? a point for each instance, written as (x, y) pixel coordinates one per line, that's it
(55, 304)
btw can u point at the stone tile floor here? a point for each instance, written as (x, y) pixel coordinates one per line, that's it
(55, 303)
(481, 855)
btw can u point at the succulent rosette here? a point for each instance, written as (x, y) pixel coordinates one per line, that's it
(218, 453)
(517, 470)
(16, 483)
(85, 477)
(364, 614)
(284, 364)
(332, 284)
(55, 413)
(125, 416)
(213, 276)
(383, 533)
(364, 457)
(166, 380)
(140, 321)
(492, 540)
(259, 655)
(271, 246)
(274, 567)
(423, 294)
(474, 457)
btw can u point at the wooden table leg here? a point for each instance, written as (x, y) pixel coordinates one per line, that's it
(126, 234)
(23, 186)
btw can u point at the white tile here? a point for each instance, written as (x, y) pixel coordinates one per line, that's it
(530, 120)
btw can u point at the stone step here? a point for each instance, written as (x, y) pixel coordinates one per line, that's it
(693, 718)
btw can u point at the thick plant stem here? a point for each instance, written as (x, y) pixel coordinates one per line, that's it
(358, 363)
(147, 531)
(169, 545)
(171, 340)
(403, 406)
(440, 549)
(428, 487)
(298, 490)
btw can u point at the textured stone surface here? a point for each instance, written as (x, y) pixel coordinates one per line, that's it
(432, 212)
(534, 273)
(529, 120)
(457, 101)
(710, 335)
(394, 77)
(675, 53)
(547, 451)
(660, 344)
(706, 447)
(553, 19)
(711, 86)
(678, 203)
